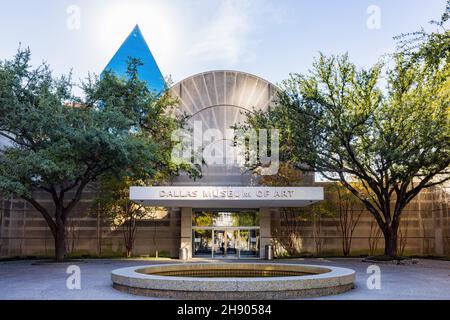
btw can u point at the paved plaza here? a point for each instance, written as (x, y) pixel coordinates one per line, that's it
(429, 279)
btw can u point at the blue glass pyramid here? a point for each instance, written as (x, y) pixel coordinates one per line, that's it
(136, 47)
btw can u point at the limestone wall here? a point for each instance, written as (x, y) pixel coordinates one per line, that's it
(23, 231)
(425, 230)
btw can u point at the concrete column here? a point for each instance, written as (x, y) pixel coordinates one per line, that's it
(275, 224)
(186, 230)
(264, 231)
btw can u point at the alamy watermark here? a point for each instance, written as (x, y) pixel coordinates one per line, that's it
(231, 147)
(374, 280)
(374, 20)
(73, 21)
(73, 281)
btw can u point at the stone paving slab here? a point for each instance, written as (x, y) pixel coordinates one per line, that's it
(429, 279)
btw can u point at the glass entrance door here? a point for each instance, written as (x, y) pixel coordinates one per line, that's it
(232, 243)
(219, 243)
(202, 244)
(222, 234)
(225, 243)
(248, 243)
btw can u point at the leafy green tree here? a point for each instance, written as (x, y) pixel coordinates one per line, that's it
(394, 141)
(58, 144)
(203, 219)
(156, 122)
(116, 207)
(345, 206)
(430, 47)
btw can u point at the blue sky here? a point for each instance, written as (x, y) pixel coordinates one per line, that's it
(267, 38)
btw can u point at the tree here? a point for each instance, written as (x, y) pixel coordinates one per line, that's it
(348, 215)
(288, 235)
(58, 143)
(155, 124)
(430, 47)
(114, 202)
(374, 237)
(393, 141)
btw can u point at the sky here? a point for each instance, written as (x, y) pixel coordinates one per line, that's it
(269, 38)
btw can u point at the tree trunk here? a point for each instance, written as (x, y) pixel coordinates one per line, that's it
(390, 240)
(346, 245)
(128, 251)
(60, 242)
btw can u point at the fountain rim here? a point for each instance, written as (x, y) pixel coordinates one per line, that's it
(331, 277)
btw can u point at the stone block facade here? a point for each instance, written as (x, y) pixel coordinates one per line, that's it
(424, 231)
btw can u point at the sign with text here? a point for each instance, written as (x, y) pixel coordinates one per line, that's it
(242, 197)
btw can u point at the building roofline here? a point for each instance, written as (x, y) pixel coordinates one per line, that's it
(224, 70)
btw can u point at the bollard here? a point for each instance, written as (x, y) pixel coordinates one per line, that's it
(268, 252)
(183, 254)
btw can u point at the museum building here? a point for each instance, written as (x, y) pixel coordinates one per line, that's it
(225, 213)
(228, 212)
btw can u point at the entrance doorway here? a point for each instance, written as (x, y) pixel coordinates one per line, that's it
(221, 235)
(225, 243)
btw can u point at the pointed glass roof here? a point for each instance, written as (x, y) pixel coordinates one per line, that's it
(136, 47)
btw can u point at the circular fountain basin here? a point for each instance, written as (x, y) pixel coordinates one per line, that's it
(233, 280)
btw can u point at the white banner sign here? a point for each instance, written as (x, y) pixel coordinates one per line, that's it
(245, 197)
